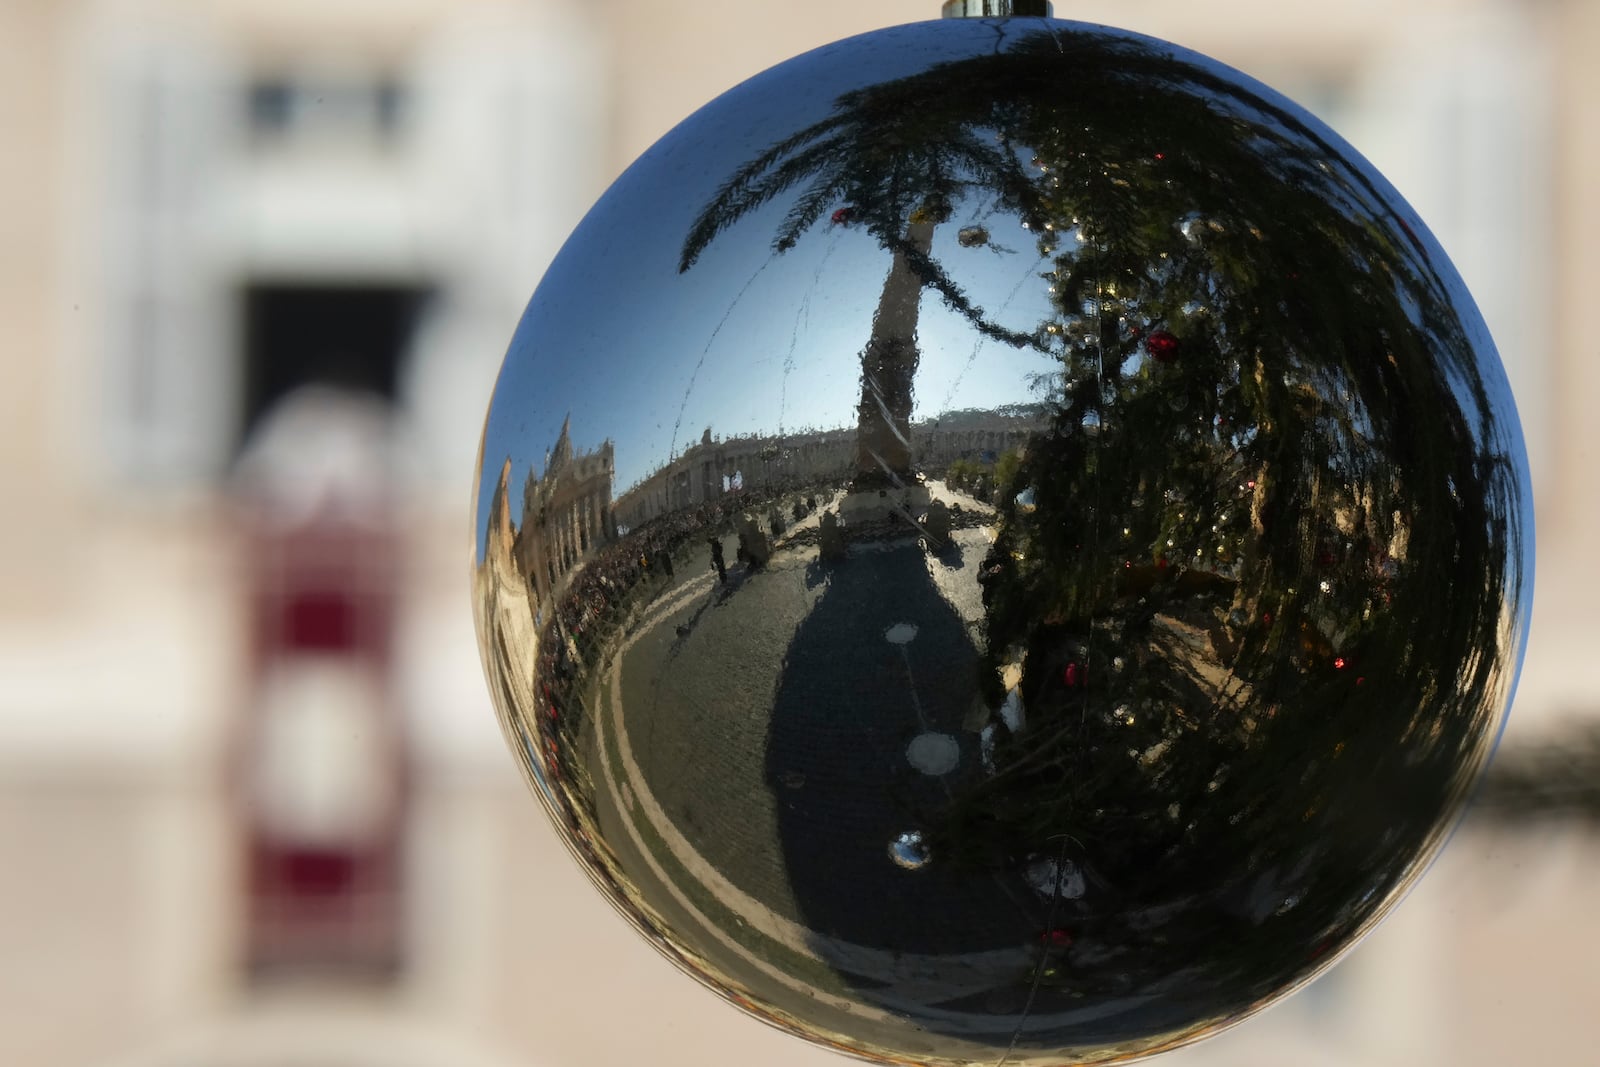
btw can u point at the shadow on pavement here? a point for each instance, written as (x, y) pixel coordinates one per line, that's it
(880, 661)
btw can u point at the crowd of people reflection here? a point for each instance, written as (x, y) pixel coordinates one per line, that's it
(615, 583)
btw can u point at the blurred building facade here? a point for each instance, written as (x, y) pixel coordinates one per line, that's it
(206, 208)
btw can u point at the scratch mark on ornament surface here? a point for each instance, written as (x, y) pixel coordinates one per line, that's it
(672, 448)
(977, 345)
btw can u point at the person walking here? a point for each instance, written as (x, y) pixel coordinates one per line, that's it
(716, 559)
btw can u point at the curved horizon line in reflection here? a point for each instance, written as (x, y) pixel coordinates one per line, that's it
(622, 894)
(864, 961)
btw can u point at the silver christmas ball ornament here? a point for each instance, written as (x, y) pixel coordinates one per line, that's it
(1002, 540)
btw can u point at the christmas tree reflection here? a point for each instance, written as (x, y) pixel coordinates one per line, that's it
(1249, 592)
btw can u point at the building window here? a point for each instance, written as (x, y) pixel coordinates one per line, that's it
(350, 336)
(283, 108)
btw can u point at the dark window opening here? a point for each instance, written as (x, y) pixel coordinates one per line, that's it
(351, 336)
(282, 106)
(271, 106)
(392, 102)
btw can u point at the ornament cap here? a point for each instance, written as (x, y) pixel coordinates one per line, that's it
(988, 9)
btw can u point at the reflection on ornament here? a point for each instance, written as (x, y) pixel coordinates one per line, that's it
(874, 781)
(1162, 346)
(909, 851)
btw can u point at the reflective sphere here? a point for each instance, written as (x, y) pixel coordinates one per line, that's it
(1002, 539)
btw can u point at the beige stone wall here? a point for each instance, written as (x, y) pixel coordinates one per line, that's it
(120, 634)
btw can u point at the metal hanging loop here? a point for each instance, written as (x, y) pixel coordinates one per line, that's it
(988, 9)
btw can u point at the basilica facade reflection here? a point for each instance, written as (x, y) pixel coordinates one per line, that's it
(566, 513)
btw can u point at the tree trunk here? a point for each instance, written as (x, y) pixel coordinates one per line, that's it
(888, 366)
